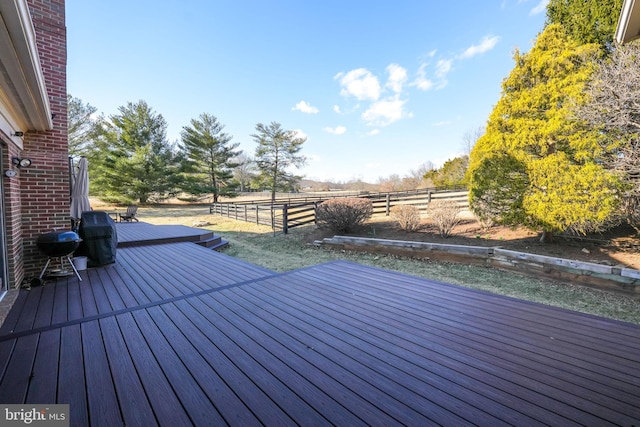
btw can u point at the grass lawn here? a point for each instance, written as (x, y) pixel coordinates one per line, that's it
(258, 245)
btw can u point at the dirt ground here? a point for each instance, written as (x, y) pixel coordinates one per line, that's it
(619, 247)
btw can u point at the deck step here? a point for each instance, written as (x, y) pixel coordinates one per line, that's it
(215, 243)
(209, 241)
(223, 244)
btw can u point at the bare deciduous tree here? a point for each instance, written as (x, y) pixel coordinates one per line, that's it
(245, 171)
(469, 139)
(614, 108)
(81, 125)
(412, 181)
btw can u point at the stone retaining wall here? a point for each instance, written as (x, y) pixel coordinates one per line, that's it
(623, 280)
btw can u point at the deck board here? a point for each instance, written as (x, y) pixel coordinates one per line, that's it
(135, 407)
(165, 404)
(328, 341)
(242, 351)
(441, 361)
(45, 368)
(528, 316)
(438, 382)
(15, 381)
(71, 377)
(214, 380)
(99, 384)
(580, 351)
(176, 334)
(326, 372)
(45, 307)
(192, 396)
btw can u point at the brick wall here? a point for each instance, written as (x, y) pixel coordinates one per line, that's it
(12, 209)
(44, 186)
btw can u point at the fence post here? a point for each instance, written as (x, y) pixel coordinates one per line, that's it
(388, 204)
(285, 219)
(257, 218)
(429, 197)
(245, 214)
(315, 213)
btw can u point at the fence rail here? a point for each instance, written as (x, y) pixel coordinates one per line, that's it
(291, 212)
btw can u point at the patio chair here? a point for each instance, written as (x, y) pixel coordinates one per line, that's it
(130, 215)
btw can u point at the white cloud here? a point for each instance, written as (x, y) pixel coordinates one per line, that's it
(373, 132)
(443, 123)
(305, 107)
(336, 108)
(397, 77)
(383, 113)
(339, 130)
(421, 81)
(443, 66)
(486, 44)
(541, 7)
(359, 83)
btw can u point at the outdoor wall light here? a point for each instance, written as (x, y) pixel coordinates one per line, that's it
(18, 133)
(21, 163)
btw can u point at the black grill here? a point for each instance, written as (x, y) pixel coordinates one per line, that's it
(58, 243)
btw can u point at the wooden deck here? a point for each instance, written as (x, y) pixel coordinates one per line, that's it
(142, 233)
(175, 334)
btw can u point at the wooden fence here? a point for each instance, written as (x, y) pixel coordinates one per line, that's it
(291, 212)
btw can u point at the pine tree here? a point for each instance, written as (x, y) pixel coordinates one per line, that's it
(132, 160)
(276, 152)
(208, 156)
(549, 174)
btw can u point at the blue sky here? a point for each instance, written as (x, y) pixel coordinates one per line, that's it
(377, 87)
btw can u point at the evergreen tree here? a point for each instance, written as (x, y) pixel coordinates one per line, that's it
(586, 21)
(208, 156)
(532, 131)
(132, 160)
(451, 174)
(276, 152)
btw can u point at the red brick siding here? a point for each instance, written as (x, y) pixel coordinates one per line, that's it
(44, 187)
(13, 223)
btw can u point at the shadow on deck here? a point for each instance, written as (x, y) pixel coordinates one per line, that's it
(175, 334)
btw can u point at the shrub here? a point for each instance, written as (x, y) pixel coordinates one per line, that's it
(445, 215)
(343, 215)
(408, 217)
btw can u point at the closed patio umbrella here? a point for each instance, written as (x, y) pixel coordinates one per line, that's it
(80, 191)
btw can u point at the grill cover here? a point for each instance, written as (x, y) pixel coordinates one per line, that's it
(99, 238)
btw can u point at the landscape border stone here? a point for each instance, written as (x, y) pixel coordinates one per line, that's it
(617, 279)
